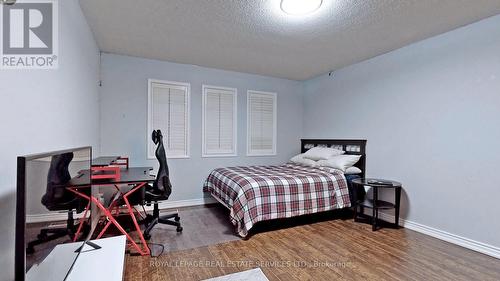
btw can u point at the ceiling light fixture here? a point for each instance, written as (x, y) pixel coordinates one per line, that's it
(300, 7)
(8, 2)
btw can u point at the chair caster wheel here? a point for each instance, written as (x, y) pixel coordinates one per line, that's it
(179, 229)
(147, 236)
(30, 250)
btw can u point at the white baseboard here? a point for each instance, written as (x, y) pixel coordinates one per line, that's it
(446, 236)
(184, 203)
(62, 216)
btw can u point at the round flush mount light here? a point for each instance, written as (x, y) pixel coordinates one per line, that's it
(300, 7)
(8, 2)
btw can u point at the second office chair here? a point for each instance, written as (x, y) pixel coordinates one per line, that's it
(160, 190)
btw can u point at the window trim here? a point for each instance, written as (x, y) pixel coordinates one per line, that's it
(188, 119)
(275, 123)
(235, 120)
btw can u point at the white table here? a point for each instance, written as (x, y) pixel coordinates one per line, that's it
(106, 263)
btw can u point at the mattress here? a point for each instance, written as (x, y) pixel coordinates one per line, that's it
(259, 193)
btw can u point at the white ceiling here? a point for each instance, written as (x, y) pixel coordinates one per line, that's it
(255, 36)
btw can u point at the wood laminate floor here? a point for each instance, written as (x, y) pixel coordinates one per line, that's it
(326, 249)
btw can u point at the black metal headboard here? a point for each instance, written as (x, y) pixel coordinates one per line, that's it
(356, 147)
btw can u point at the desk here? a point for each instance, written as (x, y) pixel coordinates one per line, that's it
(127, 176)
(137, 176)
(88, 265)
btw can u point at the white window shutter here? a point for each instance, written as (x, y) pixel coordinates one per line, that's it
(219, 121)
(169, 112)
(261, 123)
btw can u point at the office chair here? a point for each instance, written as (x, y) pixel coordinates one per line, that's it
(160, 190)
(57, 198)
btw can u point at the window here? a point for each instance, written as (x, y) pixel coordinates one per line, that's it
(168, 110)
(261, 123)
(219, 121)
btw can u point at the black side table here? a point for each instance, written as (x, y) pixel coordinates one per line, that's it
(375, 204)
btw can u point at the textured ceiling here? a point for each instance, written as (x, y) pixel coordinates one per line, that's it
(255, 36)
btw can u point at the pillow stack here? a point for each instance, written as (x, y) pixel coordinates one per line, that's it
(329, 157)
(322, 153)
(299, 159)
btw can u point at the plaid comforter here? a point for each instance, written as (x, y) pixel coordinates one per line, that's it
(259, 193)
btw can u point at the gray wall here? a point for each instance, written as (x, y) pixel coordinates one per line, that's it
(124, 116)
(431, 114)
(43, 110)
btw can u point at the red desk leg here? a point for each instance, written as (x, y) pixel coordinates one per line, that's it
(104, 230)
(82, 220)
(131, 212)
(112, 220)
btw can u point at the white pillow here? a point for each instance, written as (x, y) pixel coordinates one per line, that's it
(341, 162)
(322, 153)
(353, 171)
(299, 159)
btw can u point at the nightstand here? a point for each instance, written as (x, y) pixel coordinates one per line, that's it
(375, 204)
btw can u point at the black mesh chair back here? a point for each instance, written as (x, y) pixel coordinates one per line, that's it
(56, 196)
(162, 188)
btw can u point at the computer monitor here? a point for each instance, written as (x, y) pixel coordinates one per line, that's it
(47, 212)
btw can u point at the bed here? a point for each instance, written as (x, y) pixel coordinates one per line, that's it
(260, 193)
